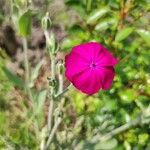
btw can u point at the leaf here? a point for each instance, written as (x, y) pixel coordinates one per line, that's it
(105, 24)
(145, 35)
(107, 145)
(123, 34)
(36, 70)
(14, 78)
(41, 97)
(25, 23)
(127, 95)
(96, 15)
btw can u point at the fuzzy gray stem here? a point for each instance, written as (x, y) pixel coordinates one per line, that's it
(51, 106)
(25, 48)
(53, 132)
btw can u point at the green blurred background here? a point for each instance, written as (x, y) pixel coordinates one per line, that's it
(123, 26)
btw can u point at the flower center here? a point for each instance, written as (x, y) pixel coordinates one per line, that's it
(93, 65)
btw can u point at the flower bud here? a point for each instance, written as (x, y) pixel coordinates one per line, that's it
(52, 45)
(52, 82)
(60, 67)
(46, 22)
(15, 9)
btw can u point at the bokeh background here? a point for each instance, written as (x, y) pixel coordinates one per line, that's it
(123, 26)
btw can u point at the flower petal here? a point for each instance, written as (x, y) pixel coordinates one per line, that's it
(106, 75)
(74, 64)
(106, 58)
(88, 50)
(87, 81)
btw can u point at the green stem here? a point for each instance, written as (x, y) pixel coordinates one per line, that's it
(52, 92)
(58, 119)
(57, 123)
(60, 78)
(26, 63)
(50, 138)
(64, 91)
(27, 79)
(89, 5)
(27, 72)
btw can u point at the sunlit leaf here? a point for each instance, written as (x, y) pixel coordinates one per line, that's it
(96, 15)
(145, 35)
(25, 24)
(123, 34)
(105, 24)
(127, 95)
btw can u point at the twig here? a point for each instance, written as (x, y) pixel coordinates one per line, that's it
(64, 91)
(118, 130)
(53, 132)
(50, 114)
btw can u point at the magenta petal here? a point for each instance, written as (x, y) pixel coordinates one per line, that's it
(106, 58)
(88, 50)
(87, 81)
(107, 75)
(74, 64)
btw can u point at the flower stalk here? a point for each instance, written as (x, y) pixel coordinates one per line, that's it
(52, 125)
(27, 71)
(25, 48)
(52, 93)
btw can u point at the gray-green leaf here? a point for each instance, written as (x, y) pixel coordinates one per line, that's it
(123, 34)
(107, 145)
(36, 70)
(14, 78)
(41, 97)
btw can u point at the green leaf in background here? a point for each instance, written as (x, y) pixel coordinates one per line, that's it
(143, 138)
(25, 24)
(14, 78)
(127, 95)
(96, 15)
(79, 102)
(105, 24)
(36, 70)
(123, 34)
(145, 35)
(41, 97)
(108, 145)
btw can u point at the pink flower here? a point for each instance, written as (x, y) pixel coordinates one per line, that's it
(90, 67)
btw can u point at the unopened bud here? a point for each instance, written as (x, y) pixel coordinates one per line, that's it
(15, 9)
(52, 82)
(53, 46)
(60, 67)
(46, 22)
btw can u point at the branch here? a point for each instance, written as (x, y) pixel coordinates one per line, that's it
(64, 91)
(120, 129)
(53, 132)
